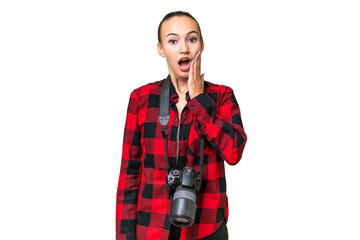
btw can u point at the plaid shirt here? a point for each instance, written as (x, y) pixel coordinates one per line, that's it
(143, 205)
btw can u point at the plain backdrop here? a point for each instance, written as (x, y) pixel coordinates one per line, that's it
(67, 69)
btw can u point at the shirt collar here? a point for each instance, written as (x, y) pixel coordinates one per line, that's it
(175, 97)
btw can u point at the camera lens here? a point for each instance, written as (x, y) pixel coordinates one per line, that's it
(181, 220)
(183, 207)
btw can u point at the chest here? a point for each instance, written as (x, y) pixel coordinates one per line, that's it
(180, 106)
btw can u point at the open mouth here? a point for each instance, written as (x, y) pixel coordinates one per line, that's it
(184, 64)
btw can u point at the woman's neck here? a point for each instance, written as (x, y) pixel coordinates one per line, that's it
(180, 85)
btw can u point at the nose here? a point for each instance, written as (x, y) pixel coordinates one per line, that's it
(184, 48)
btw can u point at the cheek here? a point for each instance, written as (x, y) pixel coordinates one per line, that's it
(171, 56)
(195, 47)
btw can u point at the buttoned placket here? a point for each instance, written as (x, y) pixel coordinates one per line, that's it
(184, 118)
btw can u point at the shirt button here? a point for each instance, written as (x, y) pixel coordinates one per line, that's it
(192, 107)
(184, 117)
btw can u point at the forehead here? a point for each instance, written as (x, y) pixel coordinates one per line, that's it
(179, 25)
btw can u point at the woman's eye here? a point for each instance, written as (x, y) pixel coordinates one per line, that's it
(192, 40)
(172, 41)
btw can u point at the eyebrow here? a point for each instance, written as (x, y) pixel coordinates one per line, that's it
(175, 34)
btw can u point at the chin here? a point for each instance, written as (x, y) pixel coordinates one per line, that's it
(184, 75)
(180, 74)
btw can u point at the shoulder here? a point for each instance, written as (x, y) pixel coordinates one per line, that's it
(218, 88)
(149, 88)
(218, 92)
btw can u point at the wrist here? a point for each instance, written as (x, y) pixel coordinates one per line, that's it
(195, 94)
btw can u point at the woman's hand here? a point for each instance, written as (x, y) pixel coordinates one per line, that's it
(196, 81)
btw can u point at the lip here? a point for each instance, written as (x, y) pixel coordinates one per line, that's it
(187, 67)
(189, 58)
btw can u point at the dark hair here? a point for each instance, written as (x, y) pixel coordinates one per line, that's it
(176, 14)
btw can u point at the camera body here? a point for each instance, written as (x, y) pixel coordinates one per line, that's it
(185, 183)
(187, 178)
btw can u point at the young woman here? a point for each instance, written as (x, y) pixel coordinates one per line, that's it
(143, 205)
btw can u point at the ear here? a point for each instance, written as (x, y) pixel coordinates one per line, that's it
(202, 45)
(160, 50)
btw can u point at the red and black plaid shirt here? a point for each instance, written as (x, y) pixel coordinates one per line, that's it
(143, 205)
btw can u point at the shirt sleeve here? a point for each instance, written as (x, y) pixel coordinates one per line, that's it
(221, 123)
(130, 172)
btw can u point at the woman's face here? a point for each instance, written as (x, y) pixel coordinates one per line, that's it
(180, 41)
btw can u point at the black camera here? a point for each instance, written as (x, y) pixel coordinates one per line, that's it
(183, 207)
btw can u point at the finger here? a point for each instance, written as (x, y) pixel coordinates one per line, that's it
(199, 63)
(197, 54)
(191, 73)
(195, 68)
(202, 77)
(196, 64)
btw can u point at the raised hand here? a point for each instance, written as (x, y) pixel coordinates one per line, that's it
(196, 81)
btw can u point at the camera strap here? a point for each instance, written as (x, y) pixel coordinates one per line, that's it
(164, 118)
(164, 114)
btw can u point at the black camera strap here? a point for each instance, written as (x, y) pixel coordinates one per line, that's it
(164, 115)
(164, 118)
